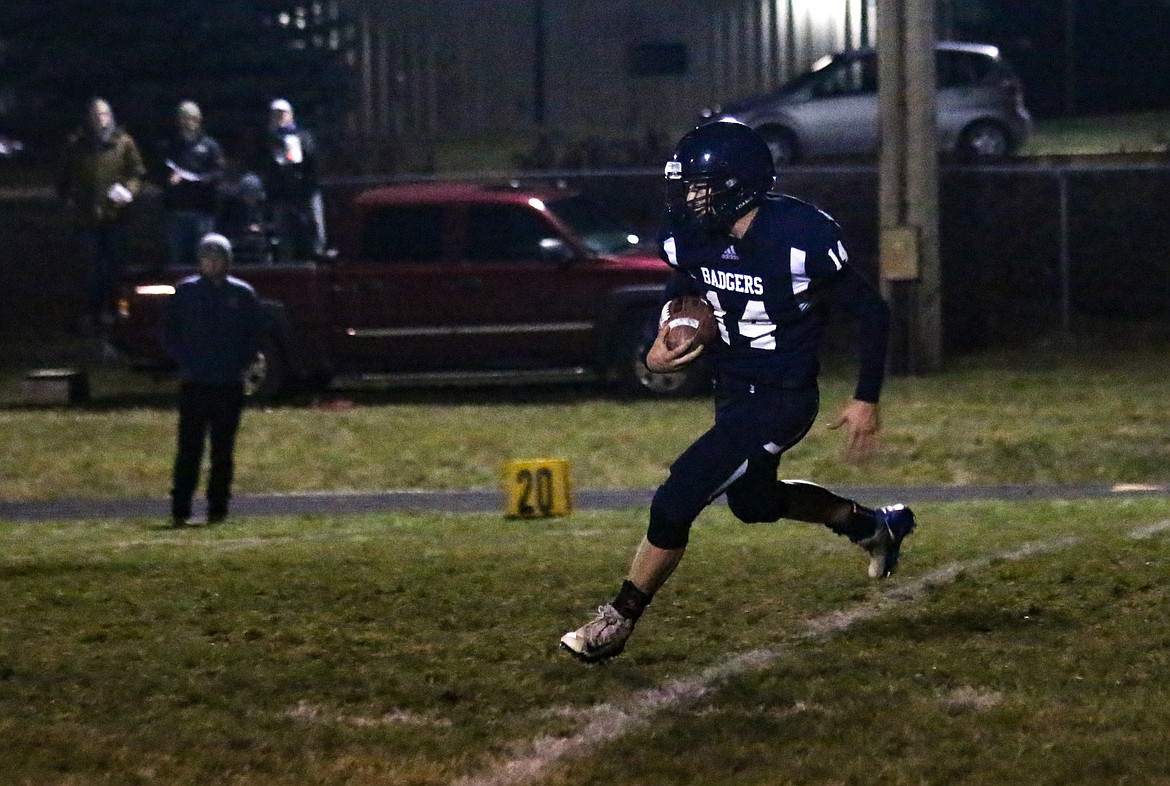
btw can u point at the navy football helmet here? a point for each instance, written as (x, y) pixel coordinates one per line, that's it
(719, 171)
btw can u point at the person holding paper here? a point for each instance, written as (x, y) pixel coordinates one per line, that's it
(101, 174)
(288, 165)
(191, 171)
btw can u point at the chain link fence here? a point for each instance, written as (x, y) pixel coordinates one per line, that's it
(1026, 250)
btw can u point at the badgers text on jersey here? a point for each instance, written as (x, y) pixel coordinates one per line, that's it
(733, 282)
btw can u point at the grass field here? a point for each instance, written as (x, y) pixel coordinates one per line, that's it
(1043, 415)
(1020, 641)
(1138, 132)
(421, 650)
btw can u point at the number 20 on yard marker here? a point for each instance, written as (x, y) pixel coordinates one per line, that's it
(537, 488)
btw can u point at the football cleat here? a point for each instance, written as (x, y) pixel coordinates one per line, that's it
(602, 637)
(894, 523)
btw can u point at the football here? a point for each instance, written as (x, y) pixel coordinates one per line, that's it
(688, 318)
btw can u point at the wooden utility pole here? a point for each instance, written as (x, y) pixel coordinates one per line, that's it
(539, 41)
(908, 189)
(1070, 60)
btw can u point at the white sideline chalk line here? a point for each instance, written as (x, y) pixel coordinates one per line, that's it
(612, 721)
(1148, 531)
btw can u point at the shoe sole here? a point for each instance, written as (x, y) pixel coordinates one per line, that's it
(587, 658)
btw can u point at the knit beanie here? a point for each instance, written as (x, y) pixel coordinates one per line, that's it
(189, 109)
(214, 241)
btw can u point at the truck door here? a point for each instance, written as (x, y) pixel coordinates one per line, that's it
(389, 301)
(526, 299)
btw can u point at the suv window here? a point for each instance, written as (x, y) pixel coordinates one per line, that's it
(966, 69)
(509, 232)
(847, 77)
(858, 75)
(404, 233)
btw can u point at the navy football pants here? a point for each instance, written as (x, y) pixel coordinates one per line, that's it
(211, 413)
(738, 456)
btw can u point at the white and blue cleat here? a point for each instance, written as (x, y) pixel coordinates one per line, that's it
(894, 523)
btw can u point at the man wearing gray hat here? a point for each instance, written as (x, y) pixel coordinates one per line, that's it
(192, 166)
(212, 330)
(288, 165)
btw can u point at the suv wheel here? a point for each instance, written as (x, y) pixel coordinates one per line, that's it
(982, 141)
(782, 144)
(635, 378)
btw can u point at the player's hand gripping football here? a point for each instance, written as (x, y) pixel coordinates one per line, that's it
(661, 360)
(862, 423)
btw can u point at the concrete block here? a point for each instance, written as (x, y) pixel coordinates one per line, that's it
(55, 386)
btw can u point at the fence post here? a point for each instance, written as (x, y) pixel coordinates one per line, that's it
(1065, 254)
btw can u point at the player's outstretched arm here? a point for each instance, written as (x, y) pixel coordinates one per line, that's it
(862, 423)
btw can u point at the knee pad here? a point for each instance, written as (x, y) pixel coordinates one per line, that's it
(670, 520)
(756, 510)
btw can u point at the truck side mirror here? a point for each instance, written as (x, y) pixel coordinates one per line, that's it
(555, 250)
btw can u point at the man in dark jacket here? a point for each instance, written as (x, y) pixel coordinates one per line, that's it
(213, 332)
(192, 167)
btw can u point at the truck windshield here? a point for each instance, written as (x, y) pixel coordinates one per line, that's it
(597, 228)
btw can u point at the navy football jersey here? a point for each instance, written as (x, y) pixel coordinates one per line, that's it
(770, 291)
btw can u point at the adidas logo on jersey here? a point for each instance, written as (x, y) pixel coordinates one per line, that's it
(729, 253)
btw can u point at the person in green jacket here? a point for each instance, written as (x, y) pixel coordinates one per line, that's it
(101, 174)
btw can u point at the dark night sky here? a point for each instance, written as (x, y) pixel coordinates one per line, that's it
(1121, 55)
(1121, 51)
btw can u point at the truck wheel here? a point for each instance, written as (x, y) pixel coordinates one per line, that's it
(268, 376)
(633, 376)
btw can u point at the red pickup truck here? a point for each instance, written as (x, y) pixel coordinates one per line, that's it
(447, 283)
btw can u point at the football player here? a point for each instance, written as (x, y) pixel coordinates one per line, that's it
(770, 266)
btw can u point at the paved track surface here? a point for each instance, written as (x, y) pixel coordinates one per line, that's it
(488, 500)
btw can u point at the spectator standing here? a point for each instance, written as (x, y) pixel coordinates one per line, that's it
(212, 330)
(192, 169)
(288, 167)
(101, 173)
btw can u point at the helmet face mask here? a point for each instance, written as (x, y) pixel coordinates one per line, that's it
(711, 201)
(699, 198)
(717, 174)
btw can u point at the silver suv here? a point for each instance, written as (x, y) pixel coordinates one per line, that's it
(833, 109)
